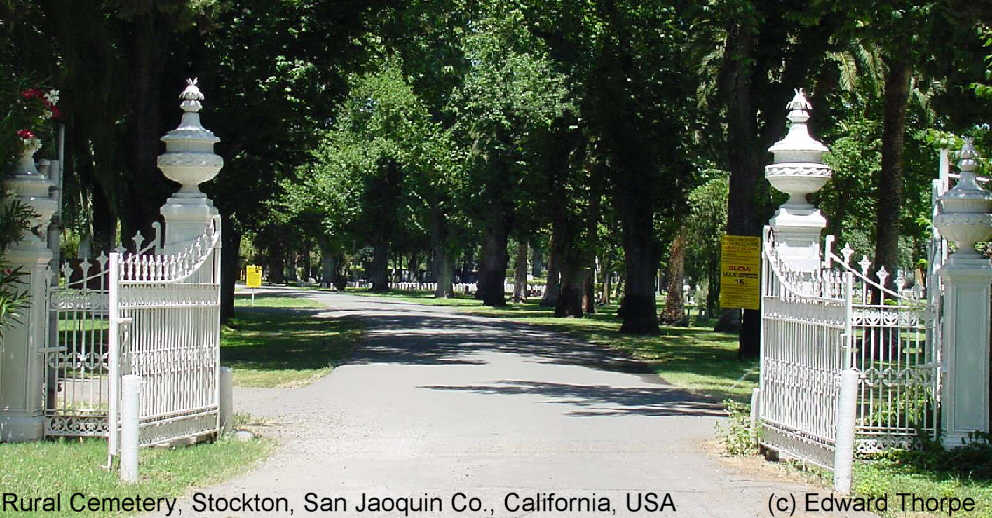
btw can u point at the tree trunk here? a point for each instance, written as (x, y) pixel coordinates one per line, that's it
(674, 312)
(492, 271)
(537, 262)
(340, 278)
(890, 177)
(552, 287)
(145, 189)
(326, 268)
(291, 263)
(443, 264)
(589, 297)
(607, 283)
(413, 267)
(377, 271)
(520, 273)
(104, 224)
(443, 274)
(276, 265)
(745, 158)
(230, 262)
(751, 95)
(573, 290)
(713, 289)
(641, 263)
(307, 266)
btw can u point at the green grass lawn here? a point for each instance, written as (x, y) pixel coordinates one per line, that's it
(931, 473)
(49, 468)
(279, 342)
(696, 358)
(886, 477)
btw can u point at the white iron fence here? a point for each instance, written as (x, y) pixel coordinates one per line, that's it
(818, 323)
(78, 356)
(151, 314)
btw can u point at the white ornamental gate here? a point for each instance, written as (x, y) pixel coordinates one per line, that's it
(78, 356)
(815, 325)
(151, 314)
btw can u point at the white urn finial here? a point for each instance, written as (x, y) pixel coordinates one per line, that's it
(798, 170)
(964, 210)
(189, 158)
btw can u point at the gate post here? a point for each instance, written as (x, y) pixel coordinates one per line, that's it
(22, 361)
(189, 160)
(964, 218)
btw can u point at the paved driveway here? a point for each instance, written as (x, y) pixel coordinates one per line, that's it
(437, 406)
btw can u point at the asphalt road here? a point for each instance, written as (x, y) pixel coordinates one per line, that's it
(438, 408)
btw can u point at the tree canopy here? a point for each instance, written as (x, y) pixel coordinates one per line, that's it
(604, 142)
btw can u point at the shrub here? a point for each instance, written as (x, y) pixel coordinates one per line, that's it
(736, 435)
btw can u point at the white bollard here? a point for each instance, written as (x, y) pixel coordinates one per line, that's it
(844, 437)
(130, 394)
(226, 399)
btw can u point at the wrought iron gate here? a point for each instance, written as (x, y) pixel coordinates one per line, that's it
(146, 313)
(78, 356)
(815, 325)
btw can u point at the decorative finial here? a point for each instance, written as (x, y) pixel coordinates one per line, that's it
(967, 157)
(189, 158)
(191, 96)
(799, 108)
(799, 101)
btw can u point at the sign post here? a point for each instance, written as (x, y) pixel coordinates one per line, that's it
(740, 272)
(253, 279)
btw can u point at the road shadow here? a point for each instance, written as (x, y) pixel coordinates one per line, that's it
(418, 337)
(411, 334)
(602, 400)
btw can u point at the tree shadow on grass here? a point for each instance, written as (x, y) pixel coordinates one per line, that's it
(266, 338)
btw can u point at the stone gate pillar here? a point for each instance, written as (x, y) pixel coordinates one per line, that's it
(189, 160)
(798, 170)
(964, 218)
(22, 356)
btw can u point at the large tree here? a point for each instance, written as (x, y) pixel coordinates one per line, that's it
(770, 48)
(509, 92)
(635, 67)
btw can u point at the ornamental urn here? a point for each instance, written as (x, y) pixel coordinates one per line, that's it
(189, 158)
(964, 210)
(798, 167)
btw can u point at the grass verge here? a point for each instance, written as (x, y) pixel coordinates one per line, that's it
(65, 467)
(930, 473)
(695, 358)
(280, 341)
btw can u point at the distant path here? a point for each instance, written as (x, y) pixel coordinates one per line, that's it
(439, 402)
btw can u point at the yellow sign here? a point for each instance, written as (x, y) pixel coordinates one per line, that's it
(253, 276)
(740, 272)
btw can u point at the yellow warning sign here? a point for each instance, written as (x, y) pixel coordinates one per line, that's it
(253, 276)
(740, 272)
